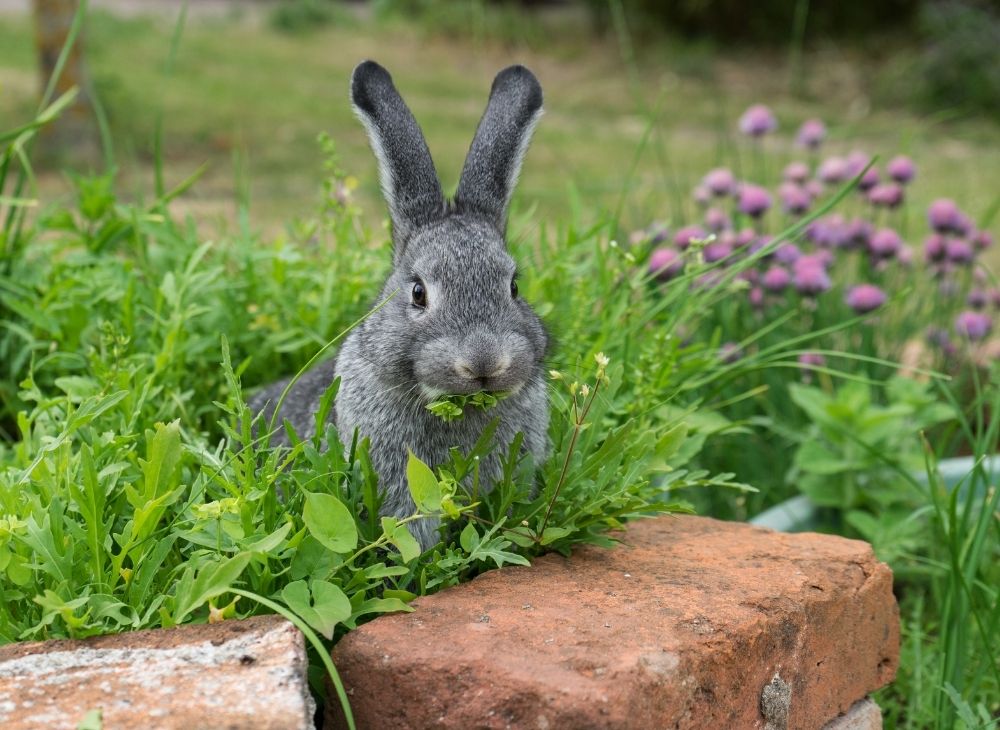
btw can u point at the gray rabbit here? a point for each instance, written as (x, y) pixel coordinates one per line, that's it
(456, 324)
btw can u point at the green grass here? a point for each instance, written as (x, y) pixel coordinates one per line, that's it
(240, 88)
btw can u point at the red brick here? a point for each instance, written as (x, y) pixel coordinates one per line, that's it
(681, 627)
(233, 674)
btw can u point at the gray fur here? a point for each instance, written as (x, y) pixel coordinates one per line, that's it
(473, 334)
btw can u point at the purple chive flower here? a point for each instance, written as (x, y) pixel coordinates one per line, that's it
(829, 231)
(702, 195)
(865, 298)
(833, 170)
(959, 251)
(757, 121)
(720, 181)
(751, 276)
(973, 325)
(943, 215)
(812, 359)
(716, 219)
(868, 180)
(859, 233)
(787, 253)
(820, 259)
(964, 225)
(982, 240)
(730, 352)
(745, 237)
(776, 279)
(684, 237)
(901, 169)
(665, 263)
(756, 297)
(939, 337)
(886, 195)
(814, 188)
(884, 243)
(794, 199)
(856, 162)
(754, 200)
(905, 255)
(934, 247)
(977, 299)
(811, 133)
(796, 172)
(811, 280)
(716, 251)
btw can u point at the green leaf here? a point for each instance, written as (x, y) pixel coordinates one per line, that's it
(330, 522)
(423, 485)
(312, 560)
(469, 539)
(320, 604)
(211, 580)
(269, 542)
(402, 538)
(671, 442)
(92, 720)
(814, 458)
(521, 536)
(78, 388)
(823, 490)
(162, 462)
(376, 605)
(813, 401)
(445, 410)
(404, 596)
(551, 534)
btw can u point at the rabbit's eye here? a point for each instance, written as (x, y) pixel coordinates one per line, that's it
(513, 288)
(419, 294)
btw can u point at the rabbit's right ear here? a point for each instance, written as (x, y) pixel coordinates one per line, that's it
(406, 171)
(497, 151)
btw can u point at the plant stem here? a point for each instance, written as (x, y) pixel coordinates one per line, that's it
(577, 427)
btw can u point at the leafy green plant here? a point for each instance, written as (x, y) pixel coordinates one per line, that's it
(452, 407)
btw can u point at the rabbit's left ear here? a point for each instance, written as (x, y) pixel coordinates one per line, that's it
(497, 151)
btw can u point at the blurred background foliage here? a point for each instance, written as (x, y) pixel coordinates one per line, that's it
(252, 82)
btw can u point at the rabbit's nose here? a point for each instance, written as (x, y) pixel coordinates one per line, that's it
(482, 367)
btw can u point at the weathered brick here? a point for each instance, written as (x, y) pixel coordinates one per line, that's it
(681, 627)
(233, 674)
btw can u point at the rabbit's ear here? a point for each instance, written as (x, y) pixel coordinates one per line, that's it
(494, 159)
(406, 171)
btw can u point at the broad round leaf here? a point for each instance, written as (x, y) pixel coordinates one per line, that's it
(330, 522)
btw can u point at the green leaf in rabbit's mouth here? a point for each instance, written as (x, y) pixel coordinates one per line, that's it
(452, 407)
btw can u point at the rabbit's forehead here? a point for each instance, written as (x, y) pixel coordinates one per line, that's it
(464, 263)
(452, 253)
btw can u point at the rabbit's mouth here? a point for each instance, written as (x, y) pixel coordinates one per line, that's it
(432, 393)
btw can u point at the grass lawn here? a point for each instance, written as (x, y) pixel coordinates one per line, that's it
(245, 96)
